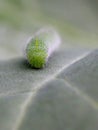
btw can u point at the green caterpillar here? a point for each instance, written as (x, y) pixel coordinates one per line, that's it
(41, 46)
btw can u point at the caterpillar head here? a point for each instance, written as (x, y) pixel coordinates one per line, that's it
(36, 52)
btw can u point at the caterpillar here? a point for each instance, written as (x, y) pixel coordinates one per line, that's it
(41, 46)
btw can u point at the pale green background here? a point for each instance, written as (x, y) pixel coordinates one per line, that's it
(76, 21)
